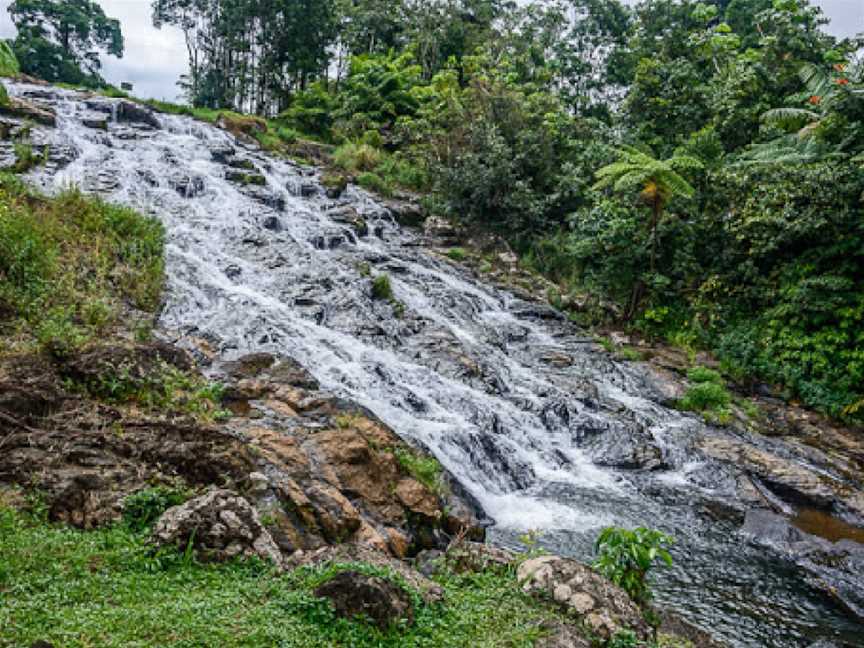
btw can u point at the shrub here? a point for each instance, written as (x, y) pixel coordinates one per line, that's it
(626, 557)
(425, 469)
(381, 288)
(705, 396)
(457, 254)
(374, 182)
(142, 509)
(704, 375)
(8, 61)
(356, 157)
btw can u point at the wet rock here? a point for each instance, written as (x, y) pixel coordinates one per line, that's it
(604, 608)
(272, 223)
(95, 120)
(222, 154)
(23, 109)
(43, 94)
(233, 271)
(787, 476)
(148, 177)
(102, 182)
(354, 594)
(129, 111)
(240, 163)
(220, 525)
(264, 196)
(407, 213)
(525, 310)
(187, 185)
(835, 568)
(246, 178)
(302, 189)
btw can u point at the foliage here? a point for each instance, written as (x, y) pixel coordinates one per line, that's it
(626, 557)
(425, 469)
(9, 65)
(141, 510)
(65, 258)
(60, 40)
(381, 288)
(53, 588)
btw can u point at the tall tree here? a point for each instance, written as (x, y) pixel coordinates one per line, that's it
(61, 40)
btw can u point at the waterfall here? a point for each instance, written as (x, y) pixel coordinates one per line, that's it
(563, 447)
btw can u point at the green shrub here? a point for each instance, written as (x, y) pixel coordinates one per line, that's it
(381, 288)
(425, 469)
(705, 396)
(4, 96)
(374, 182)
(705, 375)
(457, 254)
(626, 557)
(141, 510)
(356, 157)
(8, 61)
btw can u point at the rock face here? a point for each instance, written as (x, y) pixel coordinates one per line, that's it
(353, 594)
(23, 109)
(603, 607)
(220, 525)
(320, 469)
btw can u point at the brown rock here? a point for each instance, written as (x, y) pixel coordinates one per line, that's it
(417, 498)
(23, 109)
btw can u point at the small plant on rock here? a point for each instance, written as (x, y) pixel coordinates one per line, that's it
(381, 288)
(142, 509)
(627, 556)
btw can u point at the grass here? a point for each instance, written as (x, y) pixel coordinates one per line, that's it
(457, 254)
(377, 170)
(425, 469)
(70, 266)
(106, 588)
(167, 389)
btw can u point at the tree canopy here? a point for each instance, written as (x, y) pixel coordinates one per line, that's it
(61, 40)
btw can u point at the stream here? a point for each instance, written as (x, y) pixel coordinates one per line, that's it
(542, 427)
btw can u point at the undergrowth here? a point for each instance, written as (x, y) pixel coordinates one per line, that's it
(71, 266)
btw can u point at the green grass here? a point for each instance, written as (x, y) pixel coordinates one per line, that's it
(105, 589)
(457, 254)
(425, 469)
(70, 265)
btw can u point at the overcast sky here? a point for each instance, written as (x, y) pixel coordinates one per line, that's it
(155, 58)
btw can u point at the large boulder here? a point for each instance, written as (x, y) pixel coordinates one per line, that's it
(602, 606)
(381, 600)
(219, 525)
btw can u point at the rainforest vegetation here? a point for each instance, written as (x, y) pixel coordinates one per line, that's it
(689, 170)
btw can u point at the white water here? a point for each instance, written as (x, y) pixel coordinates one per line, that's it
(460, 374)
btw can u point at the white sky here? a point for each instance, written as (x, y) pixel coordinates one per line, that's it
(155, 58)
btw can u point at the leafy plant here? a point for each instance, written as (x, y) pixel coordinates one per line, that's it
(381, 288)
(627, 556)
(425, 469)
(141, 510)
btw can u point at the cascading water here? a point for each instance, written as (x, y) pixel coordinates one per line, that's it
(538, 424)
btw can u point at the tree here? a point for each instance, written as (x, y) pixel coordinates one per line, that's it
(60, 40)
(658, 181)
